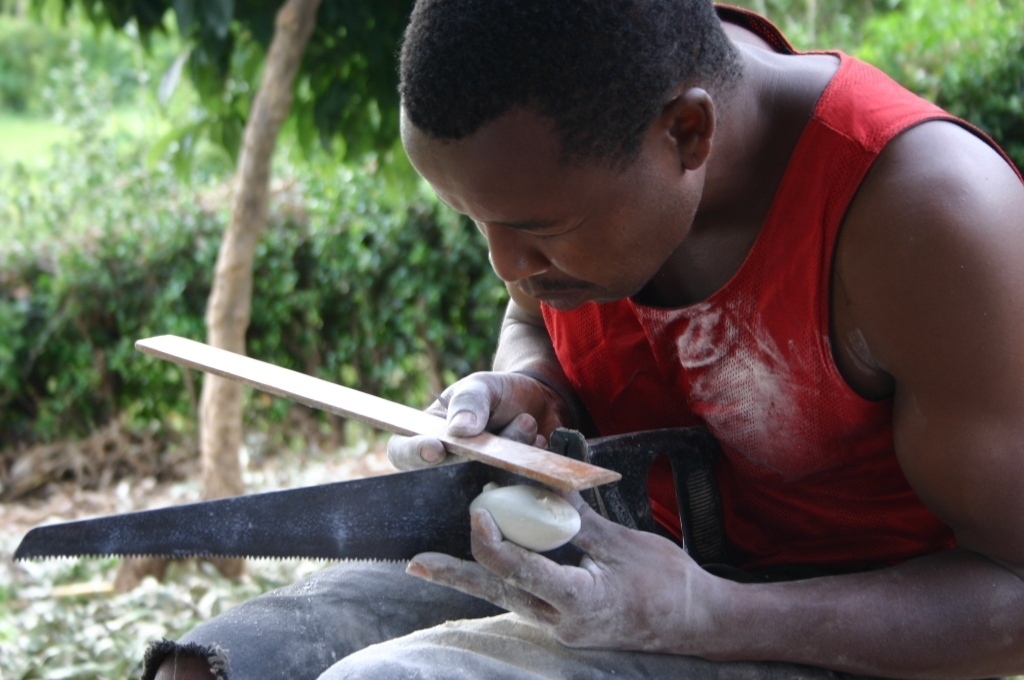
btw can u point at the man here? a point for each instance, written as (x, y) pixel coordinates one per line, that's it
(697, 225)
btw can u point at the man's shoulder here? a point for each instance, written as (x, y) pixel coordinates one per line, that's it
(940, 177)
(934, 230)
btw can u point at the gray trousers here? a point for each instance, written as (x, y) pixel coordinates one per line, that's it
(371, 620)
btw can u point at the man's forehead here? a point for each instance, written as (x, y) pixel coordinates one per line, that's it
(510, 172)
(518, 137)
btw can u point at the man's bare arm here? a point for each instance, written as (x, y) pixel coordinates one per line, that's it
(524, 343)
(930, 265)
(525, 346)
(930, 262)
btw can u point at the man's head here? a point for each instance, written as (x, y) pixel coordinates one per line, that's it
(573, 132)
(600, 69)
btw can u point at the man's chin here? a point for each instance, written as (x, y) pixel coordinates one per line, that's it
(566, 302)
(563, 304)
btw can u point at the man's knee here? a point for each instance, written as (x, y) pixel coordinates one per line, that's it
(497, 648)
(300, 630)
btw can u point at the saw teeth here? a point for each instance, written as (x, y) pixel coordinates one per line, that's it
(339, 525)
(202, 556)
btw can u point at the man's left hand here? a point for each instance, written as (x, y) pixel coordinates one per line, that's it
(632, 590)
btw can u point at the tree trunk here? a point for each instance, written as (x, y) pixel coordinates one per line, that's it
(812, 22)
(230, 303)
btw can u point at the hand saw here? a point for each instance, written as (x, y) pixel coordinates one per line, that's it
(400, 515)
(389, 517)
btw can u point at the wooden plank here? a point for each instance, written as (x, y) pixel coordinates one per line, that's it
(546, 467)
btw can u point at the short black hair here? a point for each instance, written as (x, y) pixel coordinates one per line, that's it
(601, 69)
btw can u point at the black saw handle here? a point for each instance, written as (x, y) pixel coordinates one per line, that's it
(691, 452)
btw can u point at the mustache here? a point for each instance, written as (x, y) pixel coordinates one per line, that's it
(536, 287)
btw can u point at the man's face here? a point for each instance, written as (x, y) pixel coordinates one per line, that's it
(562, 233)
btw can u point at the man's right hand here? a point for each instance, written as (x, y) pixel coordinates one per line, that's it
(511, 405)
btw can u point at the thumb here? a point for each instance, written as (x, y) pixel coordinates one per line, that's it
(469, 403)
(598, 536)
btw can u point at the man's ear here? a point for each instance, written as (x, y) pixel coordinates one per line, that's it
(689, 121)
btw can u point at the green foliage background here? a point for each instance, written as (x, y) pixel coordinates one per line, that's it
(363, 278)
(968, 57)
(346, 93)
(29, 51)
(357, 285)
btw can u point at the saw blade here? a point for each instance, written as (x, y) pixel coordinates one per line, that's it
(392, 516)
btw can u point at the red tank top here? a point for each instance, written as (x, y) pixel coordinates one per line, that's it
(808, 473)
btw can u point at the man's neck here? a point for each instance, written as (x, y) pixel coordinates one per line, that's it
(742, 142)
(759, 122)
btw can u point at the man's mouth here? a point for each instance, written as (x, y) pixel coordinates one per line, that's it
(540, 288)
(562, 295)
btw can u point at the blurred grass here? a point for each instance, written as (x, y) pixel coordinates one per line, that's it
(60, 620)
(30, 139)
(82, 631)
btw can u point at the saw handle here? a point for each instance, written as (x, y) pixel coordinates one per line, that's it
(691, 452)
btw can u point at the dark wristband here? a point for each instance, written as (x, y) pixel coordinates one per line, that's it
(570, 402)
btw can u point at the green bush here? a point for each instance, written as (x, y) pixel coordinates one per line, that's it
(353, 284)
(98, 249)
(968, 57)
(31, 54)
(831, 25)
(355, 281)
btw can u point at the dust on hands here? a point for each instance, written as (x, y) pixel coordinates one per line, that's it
(507, 404)
(632, 591)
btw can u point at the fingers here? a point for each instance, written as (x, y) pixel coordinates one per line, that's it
(494, 401)
(469, 403)
(522, 429)
(609, 544)
(414, 453)
(519, 567)
(479, 402)
(509, 576)
(598, 537)
(473, 579)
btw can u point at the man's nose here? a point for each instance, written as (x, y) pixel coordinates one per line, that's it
(512, 254)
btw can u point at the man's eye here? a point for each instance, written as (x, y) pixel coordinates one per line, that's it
(557, 230)
(551, 232)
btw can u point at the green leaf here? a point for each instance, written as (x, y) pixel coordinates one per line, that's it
(171, 77)
(217, 16)
(185, 12)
